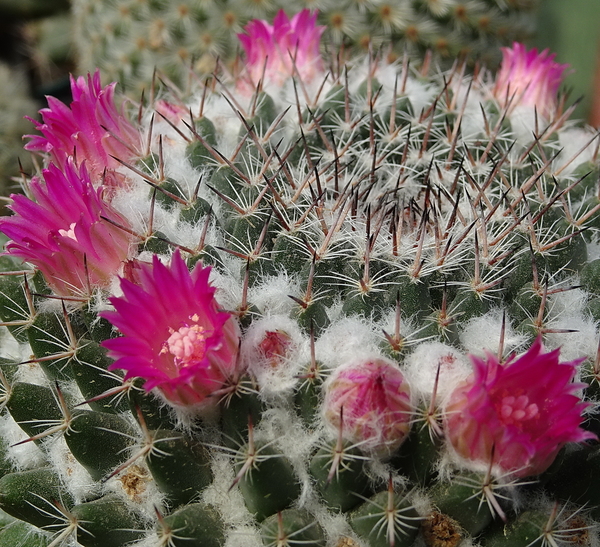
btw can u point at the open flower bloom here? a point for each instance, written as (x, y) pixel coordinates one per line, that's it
(529, 78)
(276, 49)
(91, 129)
(63, 231)
(516, 415)
(174, 335)
(370, 401)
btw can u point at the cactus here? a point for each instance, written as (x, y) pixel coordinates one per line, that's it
(129, 39)
(246, 311)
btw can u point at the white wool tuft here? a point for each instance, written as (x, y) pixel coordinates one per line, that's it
(243, 536)
(23, 456)
(294, 441)
(523, 121)
(422, 364)
(573, 345)
(134, 204)
(566, 311)
(230, 504)
(482, 334)
(31, 373)
(347, 340)
(75, 477)
(572, 142)
(11, 349)
(271, 295)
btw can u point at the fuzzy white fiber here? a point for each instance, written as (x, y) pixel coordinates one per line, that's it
(348, 339)
(24, 456)
(483, 333)
(73, 475)
(422, 364)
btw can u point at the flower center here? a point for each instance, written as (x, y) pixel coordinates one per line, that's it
(515, 410)
(187, 344)
(70, 232)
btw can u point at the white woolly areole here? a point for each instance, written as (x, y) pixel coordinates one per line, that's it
(422, 364)
(243, 536)
(218, 110)
(483, 333)
(74, 476)
(134, 204)
(23, 456)
(278, 373)
(566, 312)
(523, 121)
(136, 487)
(31, 373)
(348, 339)
(573, 345)
(574, 142)
(11, 349)
(293, 441)
(229, 289)
(230, 505)
(271, 296)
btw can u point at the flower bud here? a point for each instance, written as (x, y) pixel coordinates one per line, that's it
(370, 402)
(289, 47)
(528, 78)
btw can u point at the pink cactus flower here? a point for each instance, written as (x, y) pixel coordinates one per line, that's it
(63, 231)
(276, 49)
(530, 77)
(174, 335)
(371, 402)
(516, 415)
(91, 129)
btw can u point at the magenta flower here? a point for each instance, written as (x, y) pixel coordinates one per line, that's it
(174, 335)
(272, 49)
(370, 402)
(91, 129)
(518, 414)
(532, 78)
(62, 231)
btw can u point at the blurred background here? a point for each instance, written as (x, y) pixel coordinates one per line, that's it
(42, 41)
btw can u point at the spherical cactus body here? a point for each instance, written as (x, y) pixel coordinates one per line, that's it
(341, 305)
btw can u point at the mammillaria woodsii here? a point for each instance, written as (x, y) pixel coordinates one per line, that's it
(332, 313)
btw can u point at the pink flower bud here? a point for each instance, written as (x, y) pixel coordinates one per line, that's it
(516, 415)
(276, 49)
(275, 347)
(174, 335)
(370, 402)
(532, 78)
